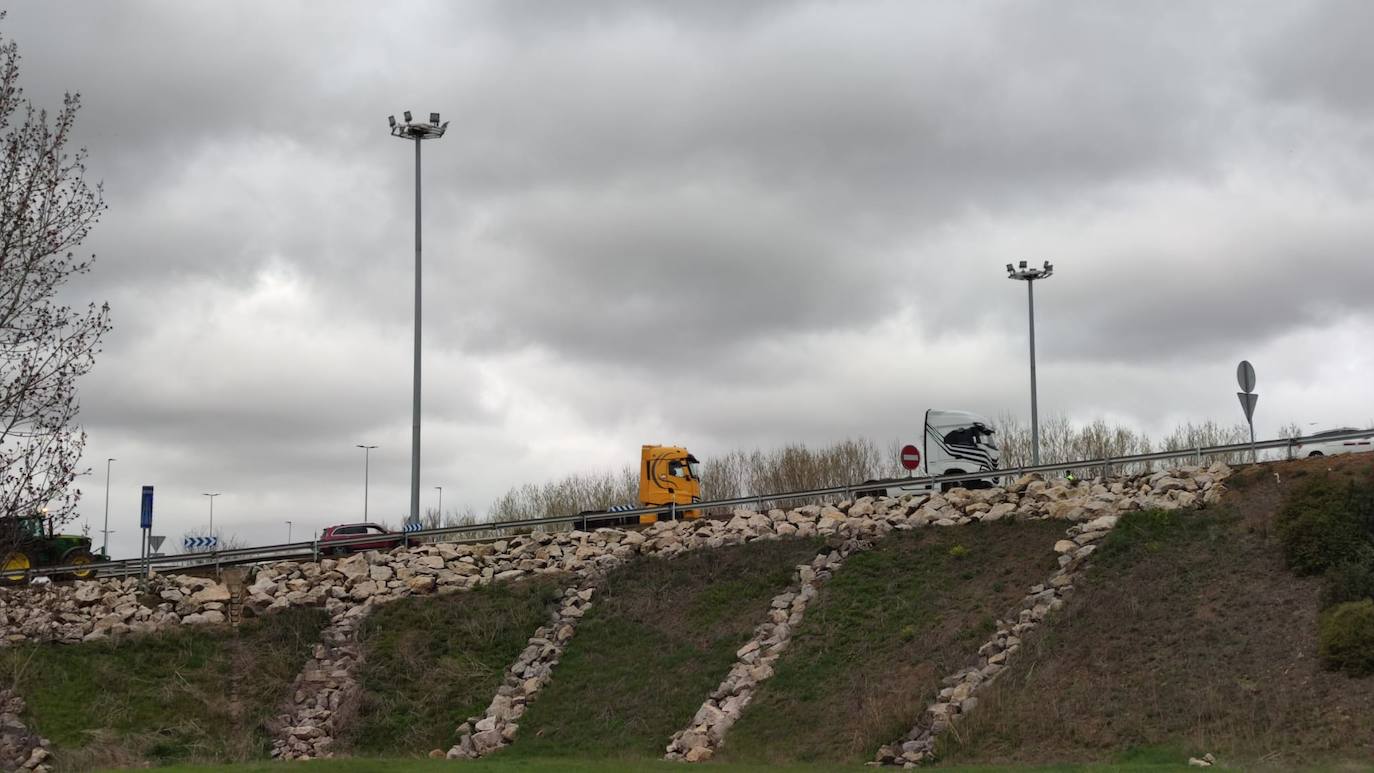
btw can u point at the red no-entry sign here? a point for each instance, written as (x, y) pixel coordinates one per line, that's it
(911, 457)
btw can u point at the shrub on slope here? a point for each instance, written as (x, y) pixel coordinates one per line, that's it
(1347, 637)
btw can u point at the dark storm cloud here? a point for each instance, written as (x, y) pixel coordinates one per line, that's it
(733, 224)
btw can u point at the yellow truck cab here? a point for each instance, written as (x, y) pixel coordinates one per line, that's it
(667, 475)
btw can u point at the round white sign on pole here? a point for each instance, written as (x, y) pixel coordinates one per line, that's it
(1245, 376)
(911, 457)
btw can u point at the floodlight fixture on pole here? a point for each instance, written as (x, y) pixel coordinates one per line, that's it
(1029, 275)
(367, 458)
(417, 132)
(212, 512)
(105, 532)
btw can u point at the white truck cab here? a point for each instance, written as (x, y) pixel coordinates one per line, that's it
(953, 443)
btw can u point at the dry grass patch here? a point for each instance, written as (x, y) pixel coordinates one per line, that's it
(1188, 634)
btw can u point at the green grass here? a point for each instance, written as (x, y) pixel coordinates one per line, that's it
(1144, 532)
(659, 637)
(870, 653)
(564, 765)
(431, 662)
(187, 695)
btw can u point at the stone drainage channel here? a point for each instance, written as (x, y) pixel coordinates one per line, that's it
(325, 692)
(958, 698)
(700, 740)
(525, 677)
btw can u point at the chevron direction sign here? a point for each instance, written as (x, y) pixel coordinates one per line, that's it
(408, 528)
(199, 543)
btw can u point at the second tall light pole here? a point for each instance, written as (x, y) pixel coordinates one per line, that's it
(211, 534)
(367, 473)
(1029, 275)
(417, 132)
(105, 532)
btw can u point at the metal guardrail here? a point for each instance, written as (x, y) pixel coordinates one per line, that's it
(315, 548)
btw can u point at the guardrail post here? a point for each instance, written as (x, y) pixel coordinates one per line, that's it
(672, 509)
(1197, 455)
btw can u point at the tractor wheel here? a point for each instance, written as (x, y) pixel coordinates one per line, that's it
(79, 558)
(15, 569)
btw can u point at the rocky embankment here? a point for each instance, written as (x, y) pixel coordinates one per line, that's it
(97, 609)
(20, 749)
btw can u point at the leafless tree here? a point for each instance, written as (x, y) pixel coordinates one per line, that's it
(46, 209)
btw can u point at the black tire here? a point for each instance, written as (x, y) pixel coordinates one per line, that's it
(1314, 454)
(19, 574)
(79, 556)
(950, 485)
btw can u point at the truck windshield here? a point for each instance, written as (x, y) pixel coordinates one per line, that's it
(694, 468)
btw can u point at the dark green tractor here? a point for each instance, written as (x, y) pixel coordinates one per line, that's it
(29, 542)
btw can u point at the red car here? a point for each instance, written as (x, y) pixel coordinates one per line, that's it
(385, 540)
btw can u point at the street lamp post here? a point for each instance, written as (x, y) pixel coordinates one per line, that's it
(212, 512)
(441, 503)
(417, 132)
(288, 532)
(105, 532)
(367, 457)
(1029, 275)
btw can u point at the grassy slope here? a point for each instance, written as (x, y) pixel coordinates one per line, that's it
(565, 765)
(1188, 635)
(658, 639)
(431, 662)
(893, 621)
(192, 694)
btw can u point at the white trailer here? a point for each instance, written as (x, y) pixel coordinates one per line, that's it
(952, 443)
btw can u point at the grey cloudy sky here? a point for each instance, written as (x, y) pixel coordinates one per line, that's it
(720, 224)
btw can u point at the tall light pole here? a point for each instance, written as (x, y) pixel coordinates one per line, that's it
(288, 532)
(441, 503)
(367, 451)
(105, 532)
(417, 132)
(1029, 275)
(212, 512)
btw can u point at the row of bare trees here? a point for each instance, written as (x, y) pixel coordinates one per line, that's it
(797, 467)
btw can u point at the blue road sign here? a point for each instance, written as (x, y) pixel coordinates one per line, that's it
(197, 543)
(412, 527)
(145, 516)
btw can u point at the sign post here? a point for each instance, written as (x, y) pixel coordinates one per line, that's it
(1245, 377)
(145, 523)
